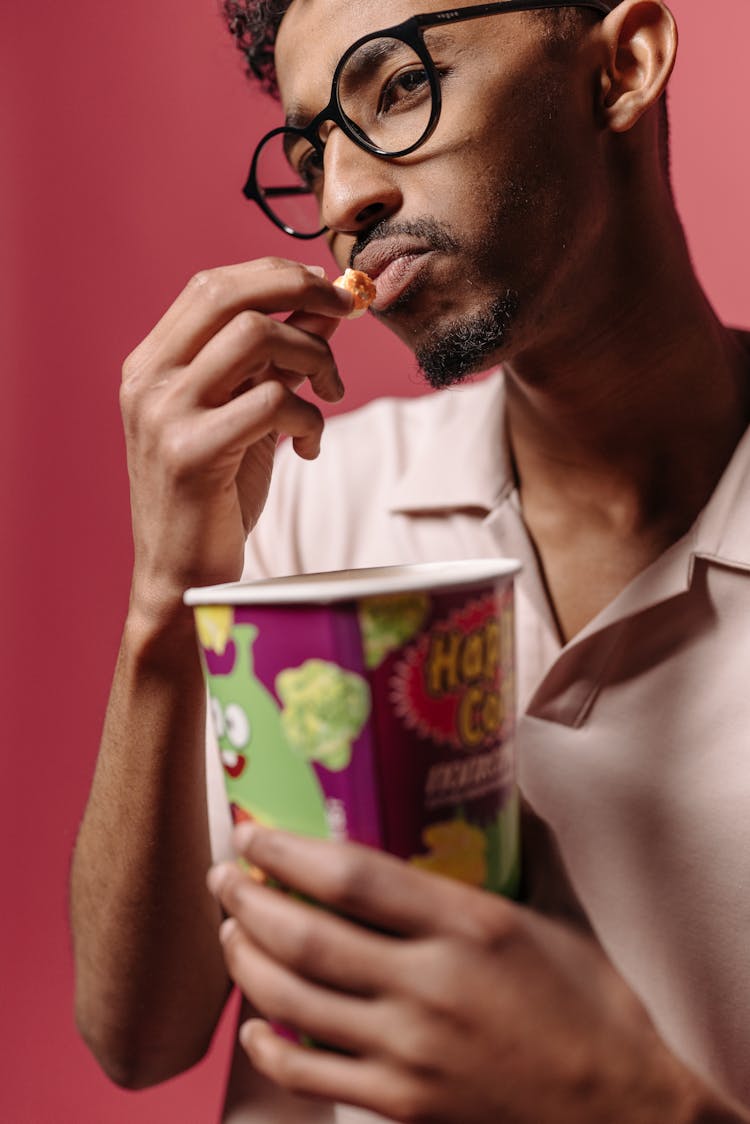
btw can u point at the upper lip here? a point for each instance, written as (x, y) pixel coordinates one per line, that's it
(379, 255)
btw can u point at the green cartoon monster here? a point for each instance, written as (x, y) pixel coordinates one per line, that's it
(265, 778)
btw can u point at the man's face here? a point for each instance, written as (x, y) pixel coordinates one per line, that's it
(477, 235)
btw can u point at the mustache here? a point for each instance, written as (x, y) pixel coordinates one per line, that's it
(434, 234)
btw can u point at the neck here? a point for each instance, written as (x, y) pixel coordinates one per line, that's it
(639, 419)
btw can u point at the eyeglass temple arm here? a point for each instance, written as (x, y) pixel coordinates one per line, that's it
(293, 189)
(603, 7)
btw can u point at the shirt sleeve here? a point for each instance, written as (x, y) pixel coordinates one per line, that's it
(271, 551)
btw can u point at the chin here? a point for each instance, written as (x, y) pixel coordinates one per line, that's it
(454, 350)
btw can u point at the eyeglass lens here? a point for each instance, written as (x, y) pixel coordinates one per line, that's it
(384, 93)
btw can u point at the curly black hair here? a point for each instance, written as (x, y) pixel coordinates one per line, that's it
(254, 24)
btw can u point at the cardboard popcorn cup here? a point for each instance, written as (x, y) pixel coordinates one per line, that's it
(376, 705)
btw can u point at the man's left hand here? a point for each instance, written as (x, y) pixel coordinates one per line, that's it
(440, 1002)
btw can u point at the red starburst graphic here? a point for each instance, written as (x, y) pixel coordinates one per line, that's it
(441, 684)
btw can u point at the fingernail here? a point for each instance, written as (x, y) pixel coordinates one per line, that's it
(227, 929)
(244, 834)
(216, 877)
(318, 270)
(345, 296)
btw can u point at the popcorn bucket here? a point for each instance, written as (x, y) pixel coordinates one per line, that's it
(376, 705)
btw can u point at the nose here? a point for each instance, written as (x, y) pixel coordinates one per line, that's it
(359, 189)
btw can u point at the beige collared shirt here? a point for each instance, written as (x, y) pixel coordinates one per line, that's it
(634, 738)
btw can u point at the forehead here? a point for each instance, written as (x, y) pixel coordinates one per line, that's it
(315, 33)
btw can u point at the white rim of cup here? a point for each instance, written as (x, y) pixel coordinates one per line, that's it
(353, 585)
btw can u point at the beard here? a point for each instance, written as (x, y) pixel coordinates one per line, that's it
(450, 352)
(447, 353)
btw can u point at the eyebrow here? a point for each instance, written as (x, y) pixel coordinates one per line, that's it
(373, 52)
(297, 118)
(369, 54)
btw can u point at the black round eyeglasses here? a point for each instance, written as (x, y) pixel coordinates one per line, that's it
(385, 96)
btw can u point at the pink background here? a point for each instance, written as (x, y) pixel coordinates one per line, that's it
(126, 129)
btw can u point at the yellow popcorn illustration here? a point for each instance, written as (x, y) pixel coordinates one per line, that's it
(325, 709)
(457, 850)
(388, 622)
(214, 626)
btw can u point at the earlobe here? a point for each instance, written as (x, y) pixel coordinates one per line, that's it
(640, 39)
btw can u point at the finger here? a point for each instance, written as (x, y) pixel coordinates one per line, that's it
(305, 938)
(250, 347)
(167, 322)
(230, 430)
(368, 1083)
(372, 886)
(322, 326)
(213, 298)
(278, 994)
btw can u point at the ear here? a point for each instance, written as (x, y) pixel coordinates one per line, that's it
(640, 43)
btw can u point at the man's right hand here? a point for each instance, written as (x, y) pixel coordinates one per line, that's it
(204, 399)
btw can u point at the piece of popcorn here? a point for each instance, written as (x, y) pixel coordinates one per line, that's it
(362, 289)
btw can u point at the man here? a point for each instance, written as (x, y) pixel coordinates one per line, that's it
(502, 173)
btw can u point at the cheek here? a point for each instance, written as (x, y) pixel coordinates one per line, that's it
(340, 248)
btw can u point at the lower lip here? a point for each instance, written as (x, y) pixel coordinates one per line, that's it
(397, 277)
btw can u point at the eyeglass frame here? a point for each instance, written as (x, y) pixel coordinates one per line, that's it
(410, 32)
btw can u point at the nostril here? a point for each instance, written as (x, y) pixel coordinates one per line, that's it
(371, 212)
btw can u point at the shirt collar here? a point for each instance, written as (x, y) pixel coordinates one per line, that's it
(460, 459)
(722, 531)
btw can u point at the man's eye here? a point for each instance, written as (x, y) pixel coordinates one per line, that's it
(310, 168)
(404, 90)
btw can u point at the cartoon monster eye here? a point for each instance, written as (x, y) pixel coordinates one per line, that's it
(217, 718)
(237, 726)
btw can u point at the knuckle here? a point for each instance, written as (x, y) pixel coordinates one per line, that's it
(200, 279)
(416, 1043)
(269, 396)
(134, 368)
(129, 396)
(252, 328)
(210, 286)
(303, 947)
(130, 366)
(315, 420)
(150, 417)
(411, 1103)
(143, 412)
(498, 928)
(346, 879)
(176, 451)
(288, 1071)
(488, 923)
(440, 973)
(276, 262)
(301, 280)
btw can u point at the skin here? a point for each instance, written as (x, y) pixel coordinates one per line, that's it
(200, 459)
(467, 1008)
(592, 260)
(475, 1009)
(650, 394)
